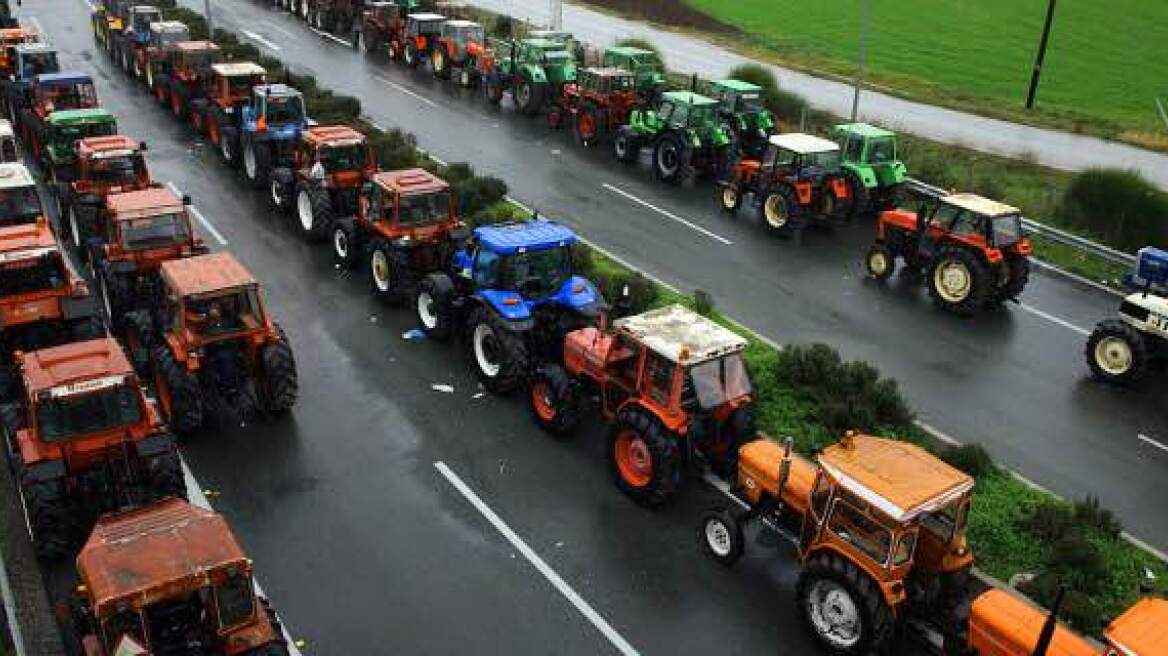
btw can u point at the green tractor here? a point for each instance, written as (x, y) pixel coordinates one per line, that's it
(742, 110)
(533, 70)
(870, 165)
(685, 133)
(645, 65)
(63, 130)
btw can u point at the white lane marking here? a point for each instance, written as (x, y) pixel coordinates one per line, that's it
(199, 215)
(260, 40)
(404, 90)
(935, 432)
(585, 609)
(331, 36)
(1053, 319)
(689, 224)
(432, 156)
(279, 29)
(199, 498)
(1158, 445)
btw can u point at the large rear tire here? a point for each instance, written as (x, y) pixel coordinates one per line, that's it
(179, 392)
(645, 460)
(279, 384)
(388, 270)
(257, 163)
(959, 281)
(50, 518)
(440, 62)
(842, 607)
(1015, 274)
(625, 145)
(669, 158)
(778, 210)
(555, 400)
(434, 305)
(858, 196)
(499, 353)
(530, 95)
(590, 125)
(314, 210)
(1116, 352)
(730, 198)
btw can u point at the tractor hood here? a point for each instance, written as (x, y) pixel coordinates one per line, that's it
(576, 294)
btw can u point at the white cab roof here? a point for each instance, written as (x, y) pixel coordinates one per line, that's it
(15, 174)
(803, 143)
(238, 68)
(462, 23)
(6, 128)
(427, 17)
(979, 205)
(681, 335)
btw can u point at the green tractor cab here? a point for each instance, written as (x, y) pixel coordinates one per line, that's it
(870, 164)
(534, 70)
(743, 111)
(685, 133)
(644, 64)
(63, 130)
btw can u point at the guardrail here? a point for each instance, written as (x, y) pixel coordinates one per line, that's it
(1042, 230)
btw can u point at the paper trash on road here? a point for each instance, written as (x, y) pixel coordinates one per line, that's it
(438, 387)
(414, 333)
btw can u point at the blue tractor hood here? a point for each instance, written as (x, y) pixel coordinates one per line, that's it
(63, 79)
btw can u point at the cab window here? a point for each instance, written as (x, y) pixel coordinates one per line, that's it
(486, 269)
(904, 549)
(853, 149)
(623, 359)
(861, 531)
(235, 601)
(658, 378)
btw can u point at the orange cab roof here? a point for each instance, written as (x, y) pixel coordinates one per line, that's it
(138, 555)
(106, 144)
(205, 274)
(1004, 622)
(196, 46)
(900, 479)
(26, 240)
(10, 34)
(1142, 630)
(332, 134)
(77, 367)
(146, 202)
(410, 181)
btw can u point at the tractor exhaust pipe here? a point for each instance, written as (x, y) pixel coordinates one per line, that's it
(784, 471)
(1051, 623)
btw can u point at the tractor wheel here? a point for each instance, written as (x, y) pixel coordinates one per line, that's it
(731, 198)
(625, 145)
(555, 400)
(139, 331)
(347, 244)
(590, 125)
(115, 295)
(388, 270)
(229, 145)
(166, 477)
(314, 209)
(465, 79)
(178, 391)
(645, 459)
(279, 384)
(778, 208)
(720, 535)
(86, 328)
(1117, 352)
(410, 54)
(1014, 274)
(858, 195)
(440, 62)
(160, 87)
(280, 194)
(257, 163)
(493, 90)
(499, 353)
(843, 608)
(880, 261)
(529, 96)
(434, 305)
(669, 158)
(959, 281)
(50, 518)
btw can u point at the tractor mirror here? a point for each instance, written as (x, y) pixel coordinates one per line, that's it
(1148, 582)
(186, 199)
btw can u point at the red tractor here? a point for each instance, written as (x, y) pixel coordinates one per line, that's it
(600, 102)
(671, 383)
(228, 88)
(330, 165)
(212, 344)
(419, 40)
(972, 250)
(52, 92)
(461, 42)
(382, 23)
(83, 439)
(184, 75)
(156, 56)
(171, 578)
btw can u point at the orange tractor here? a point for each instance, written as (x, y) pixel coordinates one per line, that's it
(972, 250)
(673, 386)
(9, 39)
(600, 102)
(330, 164)
(183, 75)
(171, 578)
(210, 341)
(460, 44)
(83, 439)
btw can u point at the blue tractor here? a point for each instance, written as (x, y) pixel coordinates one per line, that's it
(512, 288)
(268, 129)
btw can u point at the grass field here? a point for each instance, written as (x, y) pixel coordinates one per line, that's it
(1105, 63)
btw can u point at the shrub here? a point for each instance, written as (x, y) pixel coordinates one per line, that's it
(1119, 207)
(972, 459)
(1078, 609)
(1089, 514)
(703, 302)
(1050, 521)
(583, 261)
(846, 395)
(627, 293)
(503, 26)
(475, 194)
(395, 149)
(756, 74)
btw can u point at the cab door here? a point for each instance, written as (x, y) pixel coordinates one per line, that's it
(821, 495)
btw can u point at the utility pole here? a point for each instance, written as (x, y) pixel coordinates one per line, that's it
(210, 24)
(1041, 55)
(557, 14)
(863, 58)
(1163, 112)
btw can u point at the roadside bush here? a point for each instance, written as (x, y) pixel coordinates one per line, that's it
(1119, 207)
(1078, 610)
(972, 459)
(1090, 514)
(1050, 521)
(502, 26)
(846, 395)
(193, 20)
(476, 193)
(395, 149)
(641, 292)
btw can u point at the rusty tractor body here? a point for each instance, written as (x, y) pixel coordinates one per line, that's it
(797, 181)
(229, 88)
(20, 203)
(105, 166)
(187, 78)
(600, 102)
(53, 92)
(972, 249)
(157, 55)
(673, 387)
(461, 42)
(211, 343)
(329, 166)
(171, 578)
(382, 23)
(83, 439)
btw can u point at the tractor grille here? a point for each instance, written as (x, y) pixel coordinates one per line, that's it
(1134, 311)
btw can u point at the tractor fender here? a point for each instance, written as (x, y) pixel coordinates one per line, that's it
(509, 305)
(155, 445)
(674, 425)
(46, 470)
(581, 296)
(533, 73)
(865, 174)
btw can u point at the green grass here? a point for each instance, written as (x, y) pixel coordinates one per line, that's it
(1104, 64)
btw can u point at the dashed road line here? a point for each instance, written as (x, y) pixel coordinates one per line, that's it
(279, 29)
(667, 214)
(1053, 319)
(260, 40)
(404, 90)
(332, 37)
(1148, 440)
(199, 216)
(550, 574)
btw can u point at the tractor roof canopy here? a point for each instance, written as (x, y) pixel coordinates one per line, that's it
(426, 18)
(803, 144)
(862, 130)
(205, 274)
(410, 181)
(34, 48)
(76, 368)
(15, 174)
(170, 27)
(63, 79)
(520, 236)
(1141, 629)
(628, 51)
(196, 46)
(26, 241)
(688, 98)
(979, 205)
(900, 479)
(108, 146)
(332, 135)
(277, 90)
(462, 23)
(737, 86)
(681, 335)
(143, 203)
(606, 71)
(143, 556)
(238, 69)
(76, 116)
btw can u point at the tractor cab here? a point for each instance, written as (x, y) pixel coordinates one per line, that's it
(232, 83)
(109, 165)
(565, 40)
(53, 92)
(802, 156)
(607, 82)
(140, 17)
(529, 262)
(423, 27)
(170, 564)
(644, 64)
(211, 298)
(338, 156)
(685, 110)
(193, 59)
(984, 223)
(870, 149)
(557, 62)
(148, 226)
(9, 39)
(165, 35)
(277, 109)
(465, 37)
(66, 128)
(738, 97)
(34, 275)
(9, 151)
(32, 59)
(412, 205)
(19, 201)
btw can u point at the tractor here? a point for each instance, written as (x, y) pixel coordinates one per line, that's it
(142, 229)
(742, 110)
(53, 92)
(20, 203)
(329, 167)
(158, 54)
(231, 107)
(63, 130)
(972, 249)
(600, 102)
(461, 42)
(534, 71)
(644, 64)
(187, 77)
(685, 135)
(9, 149)
(261, 130)
(82, 439)
(210, 343)
(105, 166)
(1120, 350)
(332, 15)
(797, 181)
(170, 578)
(418, 39)
(512, 288)
(29, 61)
(868, 158)
(9, 39)
(383, 23)
(109, 20)
(129, 50)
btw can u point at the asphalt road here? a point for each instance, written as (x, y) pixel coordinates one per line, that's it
(690, 54)
(1014, 381)
(364, 542)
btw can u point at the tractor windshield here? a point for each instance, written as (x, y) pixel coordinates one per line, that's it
(947, 522)
(750, 103)
(35, 273)
(469, 34)
(821, 162)
(881, 151)
(646, 63)
(235, 600)
(154, 232)
(233, 312)
(424, 209)
(63, 417)
(70, 96)
(717, 382)
(337, 159)
(143, 19)
(536, 274)
(120, 626)
(240, 85)
(124, 167)
(852, 520)
(284, 109)
(1007, 230)
(33, 64)
(700, 115)
(19, 205)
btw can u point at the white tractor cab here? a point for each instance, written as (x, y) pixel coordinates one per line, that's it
(8, 149)
(1118, 350)
(19, 201)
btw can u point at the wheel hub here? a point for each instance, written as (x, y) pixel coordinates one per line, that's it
(486, 350)
(304, 210)
(718, 537)
(953, 281)
(775, 211)
(426, 310)
(1114, 355)
(380, 269)
(834, 614)
(341, 243)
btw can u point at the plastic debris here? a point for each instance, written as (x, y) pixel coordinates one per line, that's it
(437, 387)
(479, 395)
(414, 333)
(373, 319)
(210, 494)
